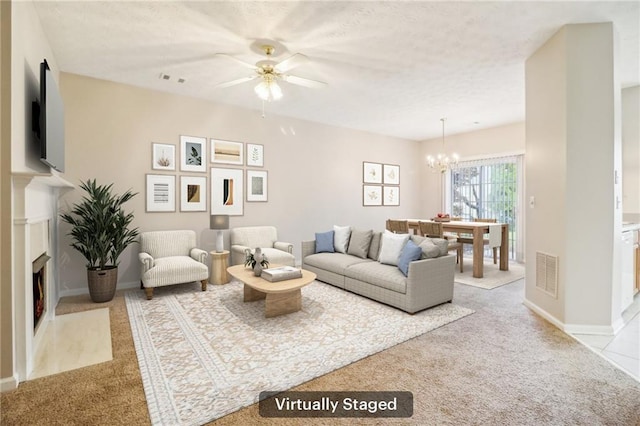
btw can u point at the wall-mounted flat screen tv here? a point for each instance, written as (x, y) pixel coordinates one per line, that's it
(50, 122)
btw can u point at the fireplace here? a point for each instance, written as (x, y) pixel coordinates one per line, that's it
(39, 267)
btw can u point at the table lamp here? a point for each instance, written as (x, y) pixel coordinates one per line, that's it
(219, 222)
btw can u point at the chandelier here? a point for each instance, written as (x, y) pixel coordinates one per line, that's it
(442, 162)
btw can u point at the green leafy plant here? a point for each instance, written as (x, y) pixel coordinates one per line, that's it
(100, 227)
(251, 261)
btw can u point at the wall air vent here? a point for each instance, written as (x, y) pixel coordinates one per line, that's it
(547, 273)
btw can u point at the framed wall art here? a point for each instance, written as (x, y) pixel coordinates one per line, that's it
(227, 152)
(255, 155)
(371, 172)
(193, 193)
(163, 156)
(257, 185)
(391, 174)
(193, 154)
(226, 192)
(391, 196)
(371, 195)
(161, 193)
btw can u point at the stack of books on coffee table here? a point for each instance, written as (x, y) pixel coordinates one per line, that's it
(281, 273)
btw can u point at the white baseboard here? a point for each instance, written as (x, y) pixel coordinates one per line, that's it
(8, 383)
(85, 290)
(603, 330)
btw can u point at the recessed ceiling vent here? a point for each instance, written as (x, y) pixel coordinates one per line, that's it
(547, 273)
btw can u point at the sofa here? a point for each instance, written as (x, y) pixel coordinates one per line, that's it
(357, 266)
(265, 237)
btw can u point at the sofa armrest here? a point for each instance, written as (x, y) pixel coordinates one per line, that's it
(146, 260)
(199, 255)
(238, 254)
(430, 281)
(280, 245)
(308, 248)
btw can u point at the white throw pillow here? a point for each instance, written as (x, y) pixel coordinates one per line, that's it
(341, 238)
(391, 247)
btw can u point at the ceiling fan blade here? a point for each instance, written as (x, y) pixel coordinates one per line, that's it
(300, 81)
(291, 62)
(241, 62)
(234, 82)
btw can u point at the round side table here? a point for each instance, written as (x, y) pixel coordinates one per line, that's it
(219, 265)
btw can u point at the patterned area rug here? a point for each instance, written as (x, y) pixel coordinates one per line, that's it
(204, 355)
(492, 275)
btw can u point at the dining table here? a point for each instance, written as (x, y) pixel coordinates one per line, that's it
(478, 230)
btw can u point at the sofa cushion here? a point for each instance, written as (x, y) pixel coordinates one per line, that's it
(429, 249)
(391, 246)
(442, 244)
(374, 246)
(334, 262)
(341, 238)
(409, 253)
(379, 275)
(324, 242)
(359, 243)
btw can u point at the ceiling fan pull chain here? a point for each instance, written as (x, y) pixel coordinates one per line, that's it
(263, 116)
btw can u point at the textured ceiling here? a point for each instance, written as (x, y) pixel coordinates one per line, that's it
(393, 68)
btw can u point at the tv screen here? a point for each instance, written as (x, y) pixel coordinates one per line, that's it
(51, 120)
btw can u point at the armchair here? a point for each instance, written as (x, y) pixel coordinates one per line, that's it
(265, 237)
(171, 257)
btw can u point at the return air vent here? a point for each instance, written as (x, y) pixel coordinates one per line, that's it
(547, 273)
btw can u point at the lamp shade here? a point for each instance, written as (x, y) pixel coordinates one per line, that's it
(219, 221)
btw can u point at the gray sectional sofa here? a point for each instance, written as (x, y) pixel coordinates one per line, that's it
(429, 281)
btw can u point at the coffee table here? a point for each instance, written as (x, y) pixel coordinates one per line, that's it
(282, 297)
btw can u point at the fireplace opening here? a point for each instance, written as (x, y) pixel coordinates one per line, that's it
(39, 288)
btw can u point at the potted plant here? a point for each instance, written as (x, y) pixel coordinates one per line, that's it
(100, 232)
(256, 261)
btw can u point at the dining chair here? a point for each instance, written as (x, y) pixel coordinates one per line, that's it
(398, 226)
(435, 230)
(485, 241)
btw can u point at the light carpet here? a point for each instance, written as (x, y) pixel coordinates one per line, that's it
(203, 355)
(492, 276)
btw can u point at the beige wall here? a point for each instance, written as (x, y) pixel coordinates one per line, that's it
(503, 140)
(631, 151)
(315, 171)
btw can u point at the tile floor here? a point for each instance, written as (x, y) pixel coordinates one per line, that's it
(623, 349)
(73, 341)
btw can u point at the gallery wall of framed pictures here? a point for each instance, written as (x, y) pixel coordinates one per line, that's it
(226, 181)
(380, 184)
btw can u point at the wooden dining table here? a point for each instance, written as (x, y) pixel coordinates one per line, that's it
(478, 230)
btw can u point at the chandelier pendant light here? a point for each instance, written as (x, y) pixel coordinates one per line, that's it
(443, 162)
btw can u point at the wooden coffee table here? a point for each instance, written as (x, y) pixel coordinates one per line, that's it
(282, 297)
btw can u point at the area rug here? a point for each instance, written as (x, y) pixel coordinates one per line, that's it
(492, 275)
(203, 355)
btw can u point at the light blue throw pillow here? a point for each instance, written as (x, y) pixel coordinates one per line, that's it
(410, 252)
(324, 242)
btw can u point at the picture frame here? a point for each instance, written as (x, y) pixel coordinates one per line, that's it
(371, 172)
(193, 154)
(160, 193)
(163, 156)
(391, 196)
(371, 195)
(227, 191)
(257, 185)
(255, 155)
(391, 174)
(227, 152)
(193, 193)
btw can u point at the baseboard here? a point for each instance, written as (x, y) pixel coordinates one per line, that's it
(603, 330)
(85, 290)
(8, 383)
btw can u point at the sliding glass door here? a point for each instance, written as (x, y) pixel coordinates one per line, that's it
(489, 189)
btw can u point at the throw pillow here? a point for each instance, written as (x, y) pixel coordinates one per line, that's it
(359, 243)
(324, 242)
(391, 246)
(374, 247)
(429, 250)
(442, 244)
(341, 238)
(409, 253)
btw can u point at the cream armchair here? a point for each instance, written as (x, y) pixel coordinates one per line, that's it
(171, 257)
(265, 237)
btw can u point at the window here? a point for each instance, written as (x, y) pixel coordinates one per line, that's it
(489, 188)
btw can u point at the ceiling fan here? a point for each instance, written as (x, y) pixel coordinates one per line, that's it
(270, 72)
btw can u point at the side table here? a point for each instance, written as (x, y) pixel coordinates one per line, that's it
(219, 265)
